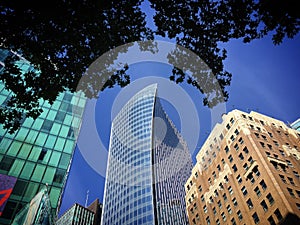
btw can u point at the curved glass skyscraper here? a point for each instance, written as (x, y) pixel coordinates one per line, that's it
(148, 165)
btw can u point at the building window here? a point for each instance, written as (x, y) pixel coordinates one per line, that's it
(264, 205)
(233, 221)
(270, 134)
(236, 132)
(255, 218)
(282, 178)
(234, 168)
(278, 214)
(225, 197)
(245, 166)
(218, 222)
(207, 220)
(262, 144)
(298, 205)
(263, 185)
(214, 175)
(256, 171)
(229, 209)
(232, 138)
(257, 191)
(223, 161)
(291, 181)
(234, 201)
(249, 203)
(298, 193)
(289, 163)
(296, 174)
(239, 179)
(291, 192)
(205, 209)
(282, 153)
(241, 156)
(228, 126)
(220, 204)
(270, 199)
(230, 190)
(239, 214)
(202, 198)
(223, 216)
(236, 147)
(241, 141)
(244, 191)
(271, 221)
(214, 210)
(200, 188)
(246, 150)
(219, 168)
(256, 135)
(226, 149)
(216, 193)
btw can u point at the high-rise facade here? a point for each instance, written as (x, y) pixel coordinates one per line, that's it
(40, 152)
(80, 215)
(148, 165)
(247, 172)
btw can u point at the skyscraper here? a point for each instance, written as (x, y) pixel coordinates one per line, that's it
(148, 165)
(247, 172)
(40, 151)
(296, 125)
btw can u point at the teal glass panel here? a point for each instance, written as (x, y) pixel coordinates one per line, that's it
(68, 119)
(55, 128)
(25, 151)
(22, 134)
(64, 161)
(54, 158)
(49, 175)
(50, 141)
(38, 173)
(51, 115)
(30, 192)
(64, 131)
(37, 124)
(69, 146)
(54, 196)
(19, 189)
(28, 122)
(59, 177)
(35, 153)
(4, 145)
(27, 170)
(59, 145)
(31, 136)
(56, 105)
(41, 139)
(14, 148)
(16, 168)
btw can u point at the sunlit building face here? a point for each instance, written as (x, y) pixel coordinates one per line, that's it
(147, 167)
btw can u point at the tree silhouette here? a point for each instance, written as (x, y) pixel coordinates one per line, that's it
(62, 38)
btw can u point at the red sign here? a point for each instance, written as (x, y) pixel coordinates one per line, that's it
(7, 184)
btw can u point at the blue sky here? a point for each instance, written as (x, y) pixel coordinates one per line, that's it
(265, 78)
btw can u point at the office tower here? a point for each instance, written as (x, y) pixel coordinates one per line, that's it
(40, 151)
(247, 172)
(80, 215)
(148, 165)
(296, 125)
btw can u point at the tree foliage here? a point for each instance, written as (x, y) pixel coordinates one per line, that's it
(61, 38)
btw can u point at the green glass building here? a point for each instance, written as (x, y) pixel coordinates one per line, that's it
(40, 152)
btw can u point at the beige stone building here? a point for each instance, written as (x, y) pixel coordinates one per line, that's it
(247, 172)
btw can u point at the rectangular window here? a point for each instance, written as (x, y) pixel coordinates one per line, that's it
(214, 210)
(229, 209)
(244, 191)
(257, 191)
(220, 204)
(255, 218)
(278, 214)
(230, 190)
(226, 149)
(264, 205)
(270, 199)
(225, 197)
(234, 201)
(249, 203)
(234, 168)
(239, 179)
(246, 150)
(263, 185)
(223, 216)
(271, 221)
(239, 214)
(291, 181)
(291, 192)
(205, 209)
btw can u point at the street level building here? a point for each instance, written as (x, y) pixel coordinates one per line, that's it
(247, 172)
(40, 152)
(148, 165)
